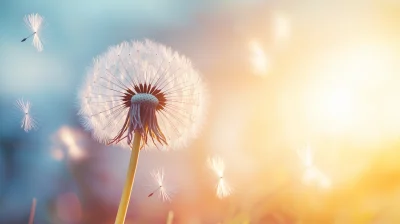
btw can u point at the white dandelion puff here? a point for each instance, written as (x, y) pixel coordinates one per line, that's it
(145, 88)
(311, 173)
(217, 165)
(161, 189)
(34, 23)
(28, 122)
(142, 94)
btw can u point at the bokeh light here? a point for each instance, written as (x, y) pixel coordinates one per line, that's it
(69, 208)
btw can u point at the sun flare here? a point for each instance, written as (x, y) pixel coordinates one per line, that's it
(349, 87)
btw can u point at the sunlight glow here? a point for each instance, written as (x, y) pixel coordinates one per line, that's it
(345, 95)
(337, 108)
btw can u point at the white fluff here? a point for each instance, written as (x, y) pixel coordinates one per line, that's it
(217, 165)
(34, 23)
(159, 182)
(28, 122)
(127, 65)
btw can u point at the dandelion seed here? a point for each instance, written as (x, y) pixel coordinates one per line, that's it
(28, 122)
(158, 176)
(281, 27)
(312, 174)
(34, 23)
(259, 60)
(142, 94)
(218, 166)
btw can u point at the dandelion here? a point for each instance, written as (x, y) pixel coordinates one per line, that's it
(34, 23)
(142, 94)
(158, 176)
(217, 165)
(33, 211)
(312, 174)
(28, 122)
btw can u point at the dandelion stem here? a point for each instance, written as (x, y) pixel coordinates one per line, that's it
(33, 209)
(130, 176)
(23, 40)
(170, 217)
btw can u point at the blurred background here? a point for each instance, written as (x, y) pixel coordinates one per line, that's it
(304, 111)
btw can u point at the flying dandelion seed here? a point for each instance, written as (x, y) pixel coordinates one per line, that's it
(217, 165)
(312, 174)
(34, 23)
(28, 122)
(145, 94)
(281, 27)
(158, 176)
(259, 60)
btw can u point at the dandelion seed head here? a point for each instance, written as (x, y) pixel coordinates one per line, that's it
(34, 23)
(28, 122)
(143, 87)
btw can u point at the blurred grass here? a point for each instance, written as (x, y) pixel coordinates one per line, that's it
(374, 197)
